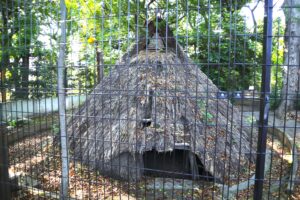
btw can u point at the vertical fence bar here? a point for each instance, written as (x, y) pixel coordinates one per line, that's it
(264, 101)
(62, 103)
(5, 192)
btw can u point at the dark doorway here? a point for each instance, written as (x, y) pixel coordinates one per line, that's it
(178, 163)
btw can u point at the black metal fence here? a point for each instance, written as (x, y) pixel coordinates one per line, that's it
(149, 99)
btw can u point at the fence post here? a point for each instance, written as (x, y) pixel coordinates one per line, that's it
(264, 101)
(62, 103)
(4, 174)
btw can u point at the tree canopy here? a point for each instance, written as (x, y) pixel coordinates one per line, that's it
(213, 33)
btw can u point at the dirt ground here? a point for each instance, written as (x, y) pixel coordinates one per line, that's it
(38, 162)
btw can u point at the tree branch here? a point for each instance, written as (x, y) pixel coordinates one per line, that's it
(252, 14)
(152, 1)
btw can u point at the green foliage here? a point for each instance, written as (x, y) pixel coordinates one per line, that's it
(19, 122)
(215, 36)
(208, 117)
(223, 47)
(251, 119)
(275, 99)
(277, 61)
(128, 19)
(55, 129)
(28, 75)
(12, 123)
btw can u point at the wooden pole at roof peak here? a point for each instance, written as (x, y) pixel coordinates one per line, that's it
(100, 62)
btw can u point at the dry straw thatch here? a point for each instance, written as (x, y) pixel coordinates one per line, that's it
(156, 98)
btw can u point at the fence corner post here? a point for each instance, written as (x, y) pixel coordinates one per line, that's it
(62, 103)
(264, 101)
(5, 190)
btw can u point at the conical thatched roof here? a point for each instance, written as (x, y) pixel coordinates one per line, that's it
(155, 99)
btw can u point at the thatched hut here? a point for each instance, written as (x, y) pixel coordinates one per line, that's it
(158, 112)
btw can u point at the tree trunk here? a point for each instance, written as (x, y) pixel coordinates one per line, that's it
(22, 90)
(5, 54)
(291, 58)
(3, 91)
(25, 76)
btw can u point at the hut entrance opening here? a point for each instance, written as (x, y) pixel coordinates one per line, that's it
(179, 163)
